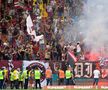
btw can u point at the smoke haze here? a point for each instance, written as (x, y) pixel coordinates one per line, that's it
(92, 25)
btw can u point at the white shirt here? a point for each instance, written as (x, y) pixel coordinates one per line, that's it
(96, 73)
(78, 48)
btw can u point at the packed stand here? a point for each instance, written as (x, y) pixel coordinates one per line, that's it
(15, 43)
(48, 19)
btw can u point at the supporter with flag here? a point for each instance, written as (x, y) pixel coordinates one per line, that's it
(71, 58)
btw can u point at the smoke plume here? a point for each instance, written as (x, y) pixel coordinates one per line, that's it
(93, 24)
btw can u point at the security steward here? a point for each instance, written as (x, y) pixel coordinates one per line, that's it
(21, 79)
(16, 77)
(37, 76)
(1, 78)
(11, 79)
(61, 75)
(68, 76)
(5, 78)
(26, 77)
(48, 74)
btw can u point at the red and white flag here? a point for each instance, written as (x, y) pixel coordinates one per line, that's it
(72, 56)
(31, 31)
(29, 25)
(10, 64)
(18, 4)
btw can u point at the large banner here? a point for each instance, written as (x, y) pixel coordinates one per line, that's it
(42, 67)
(81, 69)
(84, 70)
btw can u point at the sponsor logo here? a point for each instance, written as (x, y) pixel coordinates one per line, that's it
(40, 67)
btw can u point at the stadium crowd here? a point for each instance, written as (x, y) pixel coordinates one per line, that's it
(49, 19)
(16, 44)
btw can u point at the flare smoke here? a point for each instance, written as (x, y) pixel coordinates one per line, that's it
(93, 24)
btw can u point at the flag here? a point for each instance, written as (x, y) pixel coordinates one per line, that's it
(29, 24)
(10, 64)
(38, 38)
(18, 4)
(71, 58)
(30, 29)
